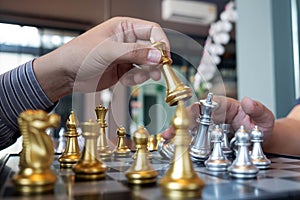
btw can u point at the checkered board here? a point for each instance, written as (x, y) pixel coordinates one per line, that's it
(280, 181)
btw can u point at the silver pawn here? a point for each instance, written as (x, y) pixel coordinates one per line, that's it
(200, 147)
(225, 144)
(258, 157)
(217, 161)
(242, 166)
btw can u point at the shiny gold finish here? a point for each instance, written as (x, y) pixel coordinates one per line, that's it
(121, 149)
(72, 153)
(152, 143)
(36, 157)
(89, 167)
(159, 139)
(102, 147)
(176, 90)
(144, 131)
(141, 171)
(181, 181)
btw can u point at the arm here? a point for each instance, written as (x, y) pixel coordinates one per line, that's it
(285, 137)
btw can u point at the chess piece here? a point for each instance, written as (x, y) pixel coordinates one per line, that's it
(225, 143)
(175, 90)
(200, 147)
(181, 181)
(242, 166)
(257, 155)
(159, 139)
(61, 146)
(143, 130)
(36, 157)
(102, 147)
(89, 167)
(72, 153)
(141, 171)
(121, 149)
(166, 148)
(151, 143)
(217, 161)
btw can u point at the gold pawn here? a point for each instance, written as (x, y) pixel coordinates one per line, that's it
(141, 171)
(159, 138)
(181, 181)
(121, 150)
(72, 153)
(176, 90)
(137, 146)
(102, 147)
(152, 143)
(89, 167)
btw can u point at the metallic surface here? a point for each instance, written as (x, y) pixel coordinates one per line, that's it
(200, 147)
(176, 90)
(242, 166)
(121, 149)
(141, 130)
(258, 157)
(217, 161)
(181, 181)
(72, 153)
(102, 147)
(36, 157)
(141, 171)
(225, 143)
(89, 167)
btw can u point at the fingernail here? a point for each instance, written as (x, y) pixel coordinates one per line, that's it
(154, 56)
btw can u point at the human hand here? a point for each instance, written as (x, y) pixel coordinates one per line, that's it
(247, 113)
(99, 58)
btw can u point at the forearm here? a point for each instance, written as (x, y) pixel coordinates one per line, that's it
(285, 138)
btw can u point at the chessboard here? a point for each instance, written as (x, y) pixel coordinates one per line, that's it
(280, 181)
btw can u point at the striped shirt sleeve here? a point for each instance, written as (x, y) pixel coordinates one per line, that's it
(19, 90)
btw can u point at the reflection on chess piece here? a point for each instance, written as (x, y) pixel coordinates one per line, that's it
(121, 149)
(72, 154)
(144, 131)
(36, 157)
(159, 138)
(141, 171)
(102, 147)
(61, 146)
(242, 166)
(151, 143)
(200, 147)
(257, 155)
(225, 143)
(217, 161)
(175, 90)
(89, 167)
(181, 181)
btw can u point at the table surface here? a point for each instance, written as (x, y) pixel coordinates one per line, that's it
(280, 181)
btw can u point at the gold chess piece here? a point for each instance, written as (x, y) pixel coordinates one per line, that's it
(181, 181)
(141, 171)
(121, 149)
(36, 157)
(102, 147)
(89, 167)
(159, 138)
(176, 90)
(152, 143)
(144, 131)
(72, 153)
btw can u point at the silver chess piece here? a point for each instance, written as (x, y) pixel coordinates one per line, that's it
(242, 166)
(200, 147)
(166, 148)
(257, 155)
(217, 161)
(225, 144)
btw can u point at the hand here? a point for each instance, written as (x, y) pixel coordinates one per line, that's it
(247, 112)
(98, 58)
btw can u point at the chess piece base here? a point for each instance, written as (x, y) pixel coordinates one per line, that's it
(217, 165)
(89, 171)
(261, 163)
(181, 93)
(142, 177)
(243, 172)
(35, 182)
(68, 161)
